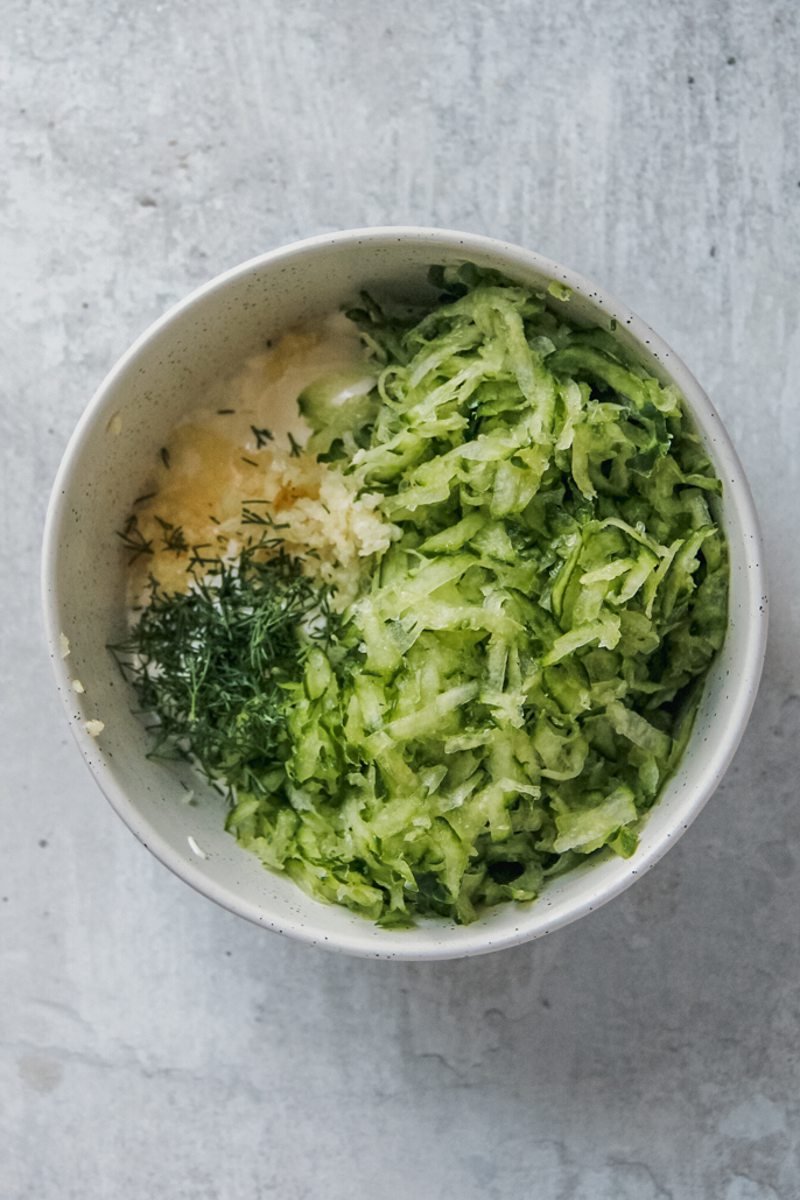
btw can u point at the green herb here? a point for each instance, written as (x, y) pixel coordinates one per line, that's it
(134, 540)
(213, 663)
(173, 537)
(164, 455)
(265, 518)
(262, 436)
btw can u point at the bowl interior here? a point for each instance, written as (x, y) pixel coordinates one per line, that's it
(162, 378)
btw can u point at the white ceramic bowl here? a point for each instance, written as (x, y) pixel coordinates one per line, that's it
(128, 419)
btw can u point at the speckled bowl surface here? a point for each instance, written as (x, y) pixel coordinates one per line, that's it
(156, 383)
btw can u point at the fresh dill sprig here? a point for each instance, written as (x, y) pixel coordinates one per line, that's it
(173, 536)
(251, 517)
(213, 663)
(134, 540)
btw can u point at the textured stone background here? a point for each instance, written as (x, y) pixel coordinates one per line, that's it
(152, 1045)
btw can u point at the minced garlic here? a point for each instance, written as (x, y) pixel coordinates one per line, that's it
(224, 461)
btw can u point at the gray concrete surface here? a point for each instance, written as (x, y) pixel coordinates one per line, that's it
(153, 1045)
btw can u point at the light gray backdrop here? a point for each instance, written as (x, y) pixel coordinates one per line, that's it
(151, 1045)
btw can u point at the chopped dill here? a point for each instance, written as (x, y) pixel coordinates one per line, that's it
(198, 561)
(134, 540)
(173, 536)
(295, 449)
(213, 663)
(251, 517)
(262, 436)
(164, 454)
(249, 461)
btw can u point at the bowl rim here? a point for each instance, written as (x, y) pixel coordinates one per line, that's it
(537, 920)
